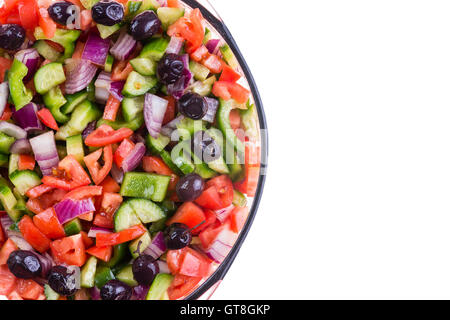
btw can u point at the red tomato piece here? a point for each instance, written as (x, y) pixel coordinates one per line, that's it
(84, 192)
(190, 28)
(218, 193)
(88, 242)
(47, 119)
(6, 250)
(69, 250)
(110, 185)
(210, 219)
(47, 222)
(237, 218)
(173, 260)
(194, 264)
(122, 152)
(5, 64)
(230, 90)
(28, 13)
(112, 239)
(89, 216)
(14, 296)
(213, 63)
(105, 135)
(208, 235)
(121, 70)
(111, 108)
(200, 54)
(210, 199)
(70, 175)
(182, 286)
(157, 165)
(173, 3)
(98, 172)
(45, 201)
(7, 113)
(7, 280)
(228, 74)
(171, 110)
(29, 289)
(46, 23)
(26, 162)
(189, 214)
(33, 235)
(103, 253)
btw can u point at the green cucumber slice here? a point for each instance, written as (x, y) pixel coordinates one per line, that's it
(126, 276)
(88, 273)
(24, 180)
(48, 77)
(74, 145)
(144, 66)
(137, 85)
(145, 185)
(73, 100)
(159, 286)
(131, 107)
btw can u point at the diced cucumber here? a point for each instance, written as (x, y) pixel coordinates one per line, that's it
(219, 165)
(249, 120)
(239, 199)
(167, 158)
(132, 9)
(64, 37)
(131, 107)
(106, 31)
(181, 157)
(9, 202)
(72, 227)
(208, 35)
(88, 273)
(125, 217)
(204, 88)
(190, 127)
(135, 124)
(74, 145)
(144, 66)
(149, 5)
(168, 15)
(48, 77)
(228, 56)
(88, 4)
(159, 286)
(102, 276)
(73, 100)
(80, 118)
(49, 293)
(146, 210)
(200, 71)
(202, 168)
(137, 85)
(155, 49)
(145, 185)
(140, 244)
(109, 63)
(24, 180)
(157, 144)
(13, 163)
(5, 143)
(236, 169)
(54, 100)
(21, 205)
(126, 276)
(47, 51)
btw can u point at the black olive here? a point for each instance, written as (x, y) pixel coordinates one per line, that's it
(24, 264)
(177, 236)
(63, 12)
(62, 281)
(205, 147)
(190, 187)
(116, 290)
(107, 13)
(145, 25)
(145, 269)
(193, 105)
(12, 36)
(170, 68)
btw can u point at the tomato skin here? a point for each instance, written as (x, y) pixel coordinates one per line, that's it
(210, 199)
(218, 193)
(5, 64)
(33, 235)
(208, 235)
(122, 152)
(28, 13)
(173, 260)
(230, 90)
(194, 264)
(228, 74)
(121, 70)
(6, 250)
(103, 253)
(47, 222)
(105, 135)
(112, 239)
(157, 165)
(47, 119)
(88, 242)
(181, 286)
(210, 219)
(237, 218)
(26, 162)
(74, 172)
(84, 192)
(46, 23)
(200, 54)
(7, 280)
(110, 185)
(29, 289)
(189, 28)
(99, 173)
(46, 200)
(171, 110)
(189, 214)
(69, 250)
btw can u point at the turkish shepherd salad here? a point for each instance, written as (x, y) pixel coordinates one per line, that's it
(128, 150)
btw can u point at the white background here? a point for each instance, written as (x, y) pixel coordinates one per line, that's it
(357, 97)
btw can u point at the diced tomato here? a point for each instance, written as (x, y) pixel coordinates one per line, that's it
(8, 6)
(218, 193)
(104, 220)
(170, 111)
(45, 201)
(157, 165)
(181, 286)
(112, 239)
(213, 63)
(228, 74)
(14, 296)
(88, 242)
(249, 184)
(173, 3)
(13, 17)
(210, 219)
(28, 12)
(237, 218)
(85, 19)
(5, 64)
(26, 162)
(189, 214)
(47, 222)
(79, 48)
(88, 216)
(194, 263)
(6, 250)
(235, 119)
(84, 192)
(103, 253)
(98, 172)
(47, 119)
(69, 250)
(109, 205)
(210, 199)
(111, 108)
(105, 135)
(33, 235)
(7, 280)
(210, 234)
(2, 236)
(46, 23)
(71, 175)
(174, 260)
(110, 185)
(122, 152)
(200, 54)
(230, 90)
(7, 113)
(121, 70)
(111, 201)
(190, 28)
(29, 289)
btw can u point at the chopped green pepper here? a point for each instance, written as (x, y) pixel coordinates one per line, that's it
(20, 95)
(54, 100)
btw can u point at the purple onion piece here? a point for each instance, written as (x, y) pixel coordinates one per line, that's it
(213, 45)
(45, 152)
(116, 88)
(124, 46)
(12, 130)
(21, 146)
(69, 209)
(154, 111)
(89, 129)
(96, 49)
(133, 160)
(30, 58)
(213, 105)
(26, 117)
(80, 76)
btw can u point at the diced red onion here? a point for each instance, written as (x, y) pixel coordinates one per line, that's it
(12, 130)
(124, 46)
(171, 126)
(178, 88)
(76, 272)
(4, 93)
(213, 46)
(45, 152)
(21, 146)
(140, 292)
(96, 49)
(222, 245)
(117, 174)
(133, 160)
(223, 214)
(30, 58)
(27, 118)
(157, 247)
(79, 77)
(175, 45)
(116, 88)
(69, 209)
(102, 85)
(163, 267)
(213, 105)
(20, 242)
(95, 293)
(5, 222)
(96, 230)
(154, 111)
(89, 129)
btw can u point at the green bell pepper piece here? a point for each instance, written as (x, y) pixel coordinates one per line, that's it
(54, 100)
(102, 276)
(65, 38)
(135, 124)
(145, 185)
(120, 253)
(20, 95)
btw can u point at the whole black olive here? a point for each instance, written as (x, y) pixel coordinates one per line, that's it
(116, 290)
(193, 105)
(145, 269)
(24, 264)
(145, 25)
(62, 281)
(170, 68)
(190, 187)
(107, 13)
(63, 12)
(205, 147)
(177, 236)
(12, 36)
